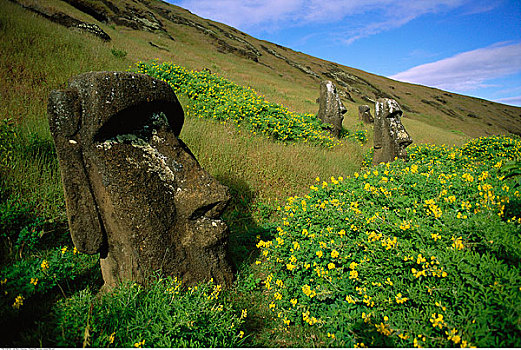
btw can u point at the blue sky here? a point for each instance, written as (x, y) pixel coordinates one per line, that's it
(472, 47)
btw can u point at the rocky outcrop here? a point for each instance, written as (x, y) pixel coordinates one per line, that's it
(66, 20)
(134, 192)
(442, 108)
(128, 16)
(249, 51)
(294, 64)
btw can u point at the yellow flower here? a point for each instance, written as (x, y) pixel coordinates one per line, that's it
(437, 321)
(458, 243)
(139, 344)
(353, 274)
(111, 338)
(34, 281)
(244, 313)
(293, 301)
(400, 299)
(319, 253)
(334, 254)
(331, 266)
(44, 265)
(64, 250)
(241, 334)
(350, 300)
(18, 301)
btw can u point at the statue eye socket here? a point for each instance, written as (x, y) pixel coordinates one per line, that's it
(139, 121)
(395, 114)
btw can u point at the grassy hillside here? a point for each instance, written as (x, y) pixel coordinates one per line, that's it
(48, 290)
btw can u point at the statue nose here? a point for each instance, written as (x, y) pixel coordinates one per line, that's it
(404, 139)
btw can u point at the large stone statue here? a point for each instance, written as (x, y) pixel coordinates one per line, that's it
(331, 110)
(134, 191)
(364, 114)
(390, 137)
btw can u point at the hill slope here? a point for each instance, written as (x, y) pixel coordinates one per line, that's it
(150, 29)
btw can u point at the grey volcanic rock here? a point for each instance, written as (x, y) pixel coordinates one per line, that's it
(331, 110)
(390, 137)
(66, 20)
(364, 114)
(134, 191)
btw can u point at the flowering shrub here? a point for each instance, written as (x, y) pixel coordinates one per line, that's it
(423, 254)
(164, 314)
(214, 97)
(38, 274)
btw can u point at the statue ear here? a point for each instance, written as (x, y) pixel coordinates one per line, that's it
(64, 111)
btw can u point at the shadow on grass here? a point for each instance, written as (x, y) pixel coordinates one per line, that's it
(244, 228)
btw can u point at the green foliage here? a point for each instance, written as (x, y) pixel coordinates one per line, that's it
(359, 135)
(368, 158)
(163, 314)
(214, 97)
(405, 254)
(512, 169)
(14, 215)
(20, 227)
(38, 274)
(119, 53)
(29, 236)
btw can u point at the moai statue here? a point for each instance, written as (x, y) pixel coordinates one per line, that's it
(331, 109)
(134, 192)
(390, 137)
(364, 114)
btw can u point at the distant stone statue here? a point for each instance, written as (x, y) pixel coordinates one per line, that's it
(390, 137)
(134, 191)
(331, 110)
(364, 114)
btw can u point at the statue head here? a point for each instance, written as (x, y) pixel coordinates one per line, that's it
(134, 192)
(390, 136)
(331, 109)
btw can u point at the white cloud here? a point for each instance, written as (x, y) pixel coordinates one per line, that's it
(363, 18)
(514, 101)
(468, 70)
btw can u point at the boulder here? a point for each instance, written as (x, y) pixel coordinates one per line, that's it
(390, 136)
(331, 110)
(134, 192)
(364, 114)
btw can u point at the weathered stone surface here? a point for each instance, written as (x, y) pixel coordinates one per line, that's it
(331, 110)
(364, 114)
(65, 20)
(390, 137)
(134, 191)
(294, 64)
